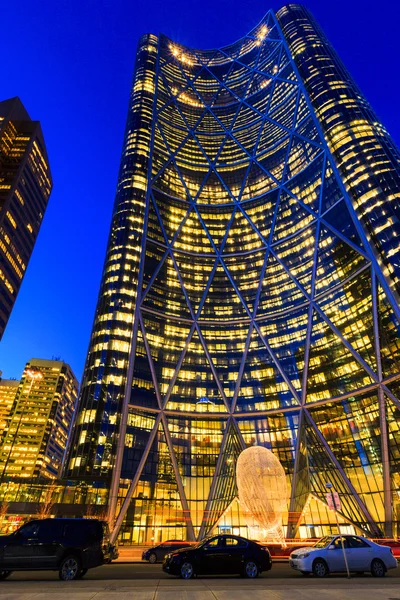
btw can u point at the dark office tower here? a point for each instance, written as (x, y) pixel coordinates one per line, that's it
(249, 295)
(25, 186)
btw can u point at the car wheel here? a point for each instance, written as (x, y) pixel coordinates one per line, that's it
(4, 574)
(320, 568)
(187, 571)
(81, 573)
(251, 569)
(378, 568)
(152, 558)
(70, 568)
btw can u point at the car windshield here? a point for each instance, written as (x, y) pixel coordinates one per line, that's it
(323, 542)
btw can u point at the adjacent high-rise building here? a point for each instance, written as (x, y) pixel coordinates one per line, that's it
(25, 186)
(249, 294)
(8, 391)
(36, 429)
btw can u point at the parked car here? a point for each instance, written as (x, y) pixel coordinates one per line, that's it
(69, 546)
(326, 556)
(157, 553)
(219, 555)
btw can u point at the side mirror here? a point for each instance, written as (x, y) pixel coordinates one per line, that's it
(331, 548)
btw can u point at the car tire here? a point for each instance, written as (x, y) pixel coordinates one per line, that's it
(70, 567)
(251, 569)
(4, 574)
(186, 570)
(153, 558)
(378, 568)
(320, 568)
(81, 573)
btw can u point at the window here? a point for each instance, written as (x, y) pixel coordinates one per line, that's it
(29, 531)
(49, 529)
(356, 542)
(337, 544)
(235, 542)
(214, 543)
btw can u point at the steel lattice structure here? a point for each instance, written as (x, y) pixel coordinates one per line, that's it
(250, 289)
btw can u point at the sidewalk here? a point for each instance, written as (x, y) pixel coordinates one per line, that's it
(196, 590)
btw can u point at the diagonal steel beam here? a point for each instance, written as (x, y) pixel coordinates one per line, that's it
(135, 480)
(212, 367)
(363, 509)
(186, 510)
(349, 347)
(277, 364)
(215, 479)
(249, 334)
(292, 527)
(151, 362)
(178, 366)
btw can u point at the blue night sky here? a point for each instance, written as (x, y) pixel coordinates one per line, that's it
(71, 63)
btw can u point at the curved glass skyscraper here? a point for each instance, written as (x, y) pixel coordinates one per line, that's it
(249, 294)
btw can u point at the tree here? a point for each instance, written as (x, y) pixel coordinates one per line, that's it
(46, 507)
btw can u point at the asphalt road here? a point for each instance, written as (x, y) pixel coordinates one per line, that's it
(145, 571)
(148, 582)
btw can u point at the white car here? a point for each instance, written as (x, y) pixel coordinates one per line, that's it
(326, 556)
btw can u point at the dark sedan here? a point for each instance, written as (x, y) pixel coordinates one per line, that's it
(157, 553)
(219, 555)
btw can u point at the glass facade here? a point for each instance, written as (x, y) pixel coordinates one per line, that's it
(249, 293)
(25, 186)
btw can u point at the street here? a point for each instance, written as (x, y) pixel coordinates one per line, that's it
(148, 582)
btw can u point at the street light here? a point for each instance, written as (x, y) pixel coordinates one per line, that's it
(333, 496)
(34, 374)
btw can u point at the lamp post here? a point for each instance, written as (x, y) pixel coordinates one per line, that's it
(33, 374)
(329, 487)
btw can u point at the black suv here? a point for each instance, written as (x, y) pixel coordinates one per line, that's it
(69, 546)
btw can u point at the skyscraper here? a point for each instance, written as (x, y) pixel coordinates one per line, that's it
(25, 186)
(36, 431)
(249, 293)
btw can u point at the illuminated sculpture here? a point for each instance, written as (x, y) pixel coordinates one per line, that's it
(262, 487)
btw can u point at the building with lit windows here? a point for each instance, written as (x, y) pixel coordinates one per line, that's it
(35, 431)
(249, 294)
(25, 186)
(8, 391)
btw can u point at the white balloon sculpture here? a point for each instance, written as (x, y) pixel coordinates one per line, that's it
(262, 486)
